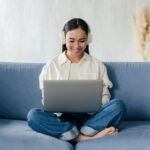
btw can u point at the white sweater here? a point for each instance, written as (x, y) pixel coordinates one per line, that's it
(60, 68)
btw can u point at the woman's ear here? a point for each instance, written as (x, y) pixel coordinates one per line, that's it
(62, 37)
(89, 38)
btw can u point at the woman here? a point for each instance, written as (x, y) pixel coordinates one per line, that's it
(75, 63)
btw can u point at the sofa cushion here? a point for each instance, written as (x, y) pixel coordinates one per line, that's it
(132, 136)
(19, 89)
(16, 135)
(132, 85)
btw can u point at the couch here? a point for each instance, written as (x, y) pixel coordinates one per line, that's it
(19, 92)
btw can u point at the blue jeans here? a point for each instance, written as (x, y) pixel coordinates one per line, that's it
(70, 125)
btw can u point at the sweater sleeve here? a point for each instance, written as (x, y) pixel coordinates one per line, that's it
(45, 75)
(106, 83)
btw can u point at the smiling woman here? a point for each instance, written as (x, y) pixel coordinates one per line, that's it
(76, 42)
(75, 63)
(80, 26)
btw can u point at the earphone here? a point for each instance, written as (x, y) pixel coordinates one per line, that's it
(63, 39)
(90, 38)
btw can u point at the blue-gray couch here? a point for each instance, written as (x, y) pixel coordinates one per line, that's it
(19, 92)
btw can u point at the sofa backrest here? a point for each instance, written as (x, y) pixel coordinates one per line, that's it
(19, 89)
(132, 85)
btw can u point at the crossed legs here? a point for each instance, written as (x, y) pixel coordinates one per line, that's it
(103, 123)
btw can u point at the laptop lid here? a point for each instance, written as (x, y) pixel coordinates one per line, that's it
(72, 95)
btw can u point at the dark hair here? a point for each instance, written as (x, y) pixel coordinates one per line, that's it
(74, 24)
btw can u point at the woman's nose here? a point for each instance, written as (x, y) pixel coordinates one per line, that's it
(77, 44)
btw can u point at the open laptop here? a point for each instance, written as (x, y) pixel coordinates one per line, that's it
(72, 95)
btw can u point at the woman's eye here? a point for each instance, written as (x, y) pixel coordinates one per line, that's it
(71, 41)
(82, 41)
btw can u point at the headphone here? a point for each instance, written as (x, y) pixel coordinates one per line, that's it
(63, 39)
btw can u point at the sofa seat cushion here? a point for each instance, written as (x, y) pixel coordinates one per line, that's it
(16, 135)
(133, 135)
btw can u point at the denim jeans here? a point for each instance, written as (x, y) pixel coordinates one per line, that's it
(70, 125)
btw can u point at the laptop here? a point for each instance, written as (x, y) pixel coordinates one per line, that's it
(72, 95)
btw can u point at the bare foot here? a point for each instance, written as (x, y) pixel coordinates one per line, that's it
(103, 133)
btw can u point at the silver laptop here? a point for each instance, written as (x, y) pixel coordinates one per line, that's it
(72, 95)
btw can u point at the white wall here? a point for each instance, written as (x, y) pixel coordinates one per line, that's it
(29, 29)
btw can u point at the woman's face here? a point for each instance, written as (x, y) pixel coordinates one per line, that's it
(76, 41)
